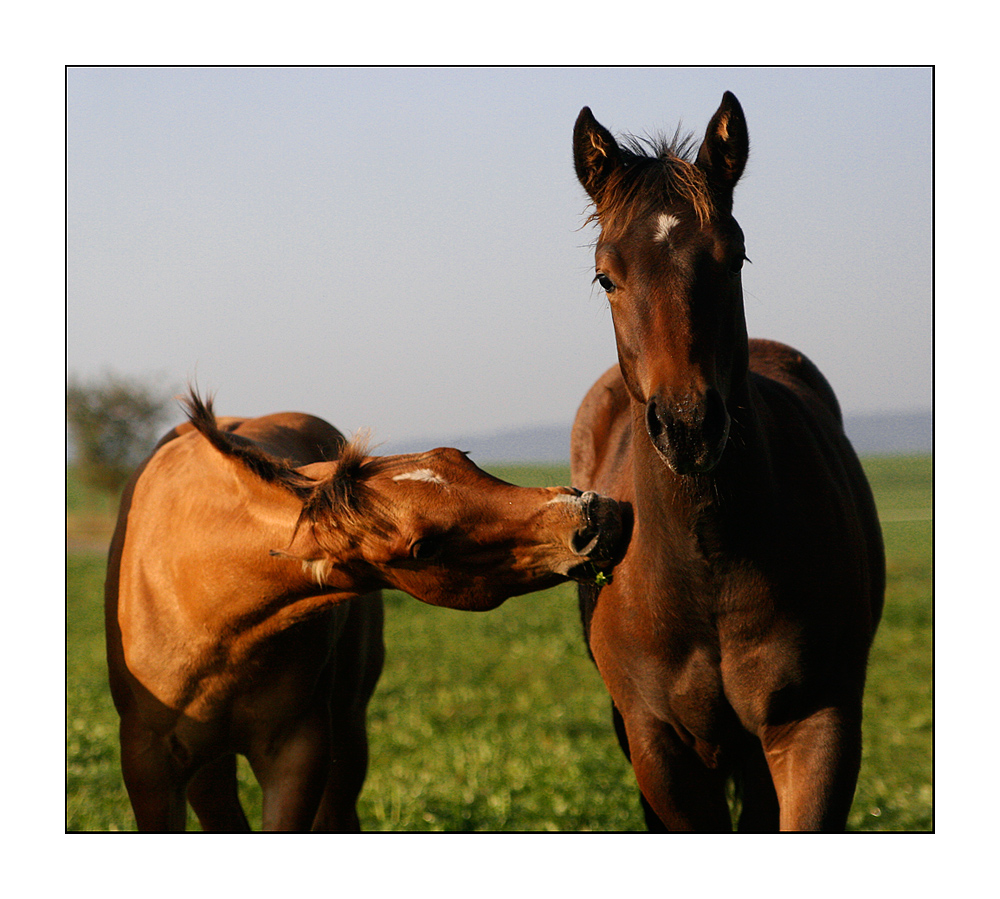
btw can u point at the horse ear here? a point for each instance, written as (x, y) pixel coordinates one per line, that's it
(595, 153)
(724, 152)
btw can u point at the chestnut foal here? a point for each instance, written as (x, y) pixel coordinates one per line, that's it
(243, 612)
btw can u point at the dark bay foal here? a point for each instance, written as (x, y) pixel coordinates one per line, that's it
(734, 638)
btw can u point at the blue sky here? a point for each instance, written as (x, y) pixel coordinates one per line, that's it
(405, 250)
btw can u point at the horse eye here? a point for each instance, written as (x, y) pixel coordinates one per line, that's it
(606, 283)
(426, 548)
(737, 268)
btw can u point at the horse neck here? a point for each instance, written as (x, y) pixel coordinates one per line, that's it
(268, 549)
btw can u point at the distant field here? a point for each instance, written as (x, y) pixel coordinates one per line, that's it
(499, 721)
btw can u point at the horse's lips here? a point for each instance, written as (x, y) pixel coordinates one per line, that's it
(606, 547)
(591, 547)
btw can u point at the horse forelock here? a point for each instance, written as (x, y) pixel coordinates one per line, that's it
(656, 172)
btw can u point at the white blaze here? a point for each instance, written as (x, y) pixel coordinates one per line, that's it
(422, 474)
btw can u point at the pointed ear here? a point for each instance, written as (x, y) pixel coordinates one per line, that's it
(316, 565)
(595, 153)
(320, 570)
(724, 152)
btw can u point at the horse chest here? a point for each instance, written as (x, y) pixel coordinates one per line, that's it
(661, 660)
(685, 643)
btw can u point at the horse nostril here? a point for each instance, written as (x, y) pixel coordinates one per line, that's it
(654, 424)
(583, 539)
(691, 431)
(599, 538)
(716, 421)
(585, 536)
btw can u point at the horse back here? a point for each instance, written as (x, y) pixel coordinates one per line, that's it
(804, 429)
(788, 366)
(295, 436)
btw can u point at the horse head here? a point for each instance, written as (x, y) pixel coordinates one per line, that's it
(669, 257)
(438, 527)
(432, 524)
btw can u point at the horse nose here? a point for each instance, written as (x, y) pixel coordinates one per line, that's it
(586, 536)
(657, 421)
(715, 423)
(689, 434)
(598, 537)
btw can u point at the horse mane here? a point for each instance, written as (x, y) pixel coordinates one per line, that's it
(656, 171)
(331, 503)
(344, 499)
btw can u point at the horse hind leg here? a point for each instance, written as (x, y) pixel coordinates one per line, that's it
(214, 795)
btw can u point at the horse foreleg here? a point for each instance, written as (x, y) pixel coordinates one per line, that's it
(153, 778)
(358, 664)
(814, 764)
(292, 775)
(214, 796)
(348, 767)
(653, 823)
(759, 811)
(683, 792)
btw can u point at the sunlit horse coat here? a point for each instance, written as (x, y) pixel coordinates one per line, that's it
(242, 605)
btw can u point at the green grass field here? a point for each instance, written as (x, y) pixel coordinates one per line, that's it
(499, 721)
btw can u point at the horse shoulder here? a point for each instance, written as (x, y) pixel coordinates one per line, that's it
(600, 439)
(119, 678)
(187, 570)
(152, 607)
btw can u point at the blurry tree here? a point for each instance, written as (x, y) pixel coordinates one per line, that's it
(114, 422)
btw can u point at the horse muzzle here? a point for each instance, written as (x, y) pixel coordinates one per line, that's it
(689, 436)
(600, 539)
